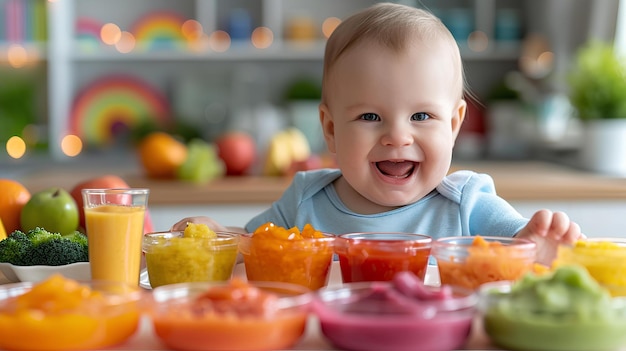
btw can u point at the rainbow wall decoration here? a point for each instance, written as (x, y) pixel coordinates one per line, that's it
(88, 32)
(158, 29)
(114, 105)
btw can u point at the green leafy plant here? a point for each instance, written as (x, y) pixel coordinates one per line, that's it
(303, 89)
(598, 82)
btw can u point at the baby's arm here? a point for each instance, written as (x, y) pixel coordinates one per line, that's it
(182, 224)
(550, 229)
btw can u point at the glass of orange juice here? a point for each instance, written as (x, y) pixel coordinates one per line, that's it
(114, 221)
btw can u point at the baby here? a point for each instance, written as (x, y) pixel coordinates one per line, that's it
(392, 106)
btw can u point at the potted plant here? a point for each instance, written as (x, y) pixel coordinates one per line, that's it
(597, 84)
(302, 97)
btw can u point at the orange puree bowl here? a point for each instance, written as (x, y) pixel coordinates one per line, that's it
(472, 261)
(305, 261)
(379, 256)
(48, 316)
(234, 315)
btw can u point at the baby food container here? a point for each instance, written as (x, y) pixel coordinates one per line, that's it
(172, 258)
(379, 256)
(471, 261)
(305, 261)
(59, 313)
(604, 258)
(234, 315)
(565, 309)
(397, 315)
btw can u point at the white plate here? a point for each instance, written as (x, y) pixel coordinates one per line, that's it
(14, 274)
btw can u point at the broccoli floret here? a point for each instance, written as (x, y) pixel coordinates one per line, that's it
(57, 251)
(14, 249)
(39, 235)
(41, 247)
(78, 237)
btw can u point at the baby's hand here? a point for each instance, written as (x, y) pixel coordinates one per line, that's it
(549, 230)
(182, 224)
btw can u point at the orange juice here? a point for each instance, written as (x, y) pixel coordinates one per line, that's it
(115, 233)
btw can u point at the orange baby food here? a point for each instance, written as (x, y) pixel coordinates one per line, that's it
(62, 314)
(115, 234)
(274, 253)
(236, 316)
(486, 261)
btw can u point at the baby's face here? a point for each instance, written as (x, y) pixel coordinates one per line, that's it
(392, 119)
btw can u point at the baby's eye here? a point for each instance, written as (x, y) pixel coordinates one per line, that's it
(420, 116)
(370, 117)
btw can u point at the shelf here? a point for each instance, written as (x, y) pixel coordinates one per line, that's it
(237, 52)
(278, 52)
(73, 63)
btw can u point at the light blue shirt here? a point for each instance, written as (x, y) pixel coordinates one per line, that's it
(465, 203)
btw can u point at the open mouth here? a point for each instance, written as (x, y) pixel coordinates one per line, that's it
(396, 169)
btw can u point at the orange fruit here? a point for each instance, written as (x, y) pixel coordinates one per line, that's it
(13, 196)
(161, 155)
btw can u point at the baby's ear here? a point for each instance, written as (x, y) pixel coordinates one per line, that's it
(328, 127)
(458, 117)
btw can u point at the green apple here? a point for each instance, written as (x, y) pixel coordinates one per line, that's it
(52, 209)
(202, 164)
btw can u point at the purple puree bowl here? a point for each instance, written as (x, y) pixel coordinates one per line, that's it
(398, 315)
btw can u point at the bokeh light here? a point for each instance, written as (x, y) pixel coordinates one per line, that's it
(478, 41)
(219, 41)
(17, 56)
(329, 25)
(203, 43)
(110, 34)
(71, 145)
(16, 147)
(192, 30)
(126, 43)
(262, 37)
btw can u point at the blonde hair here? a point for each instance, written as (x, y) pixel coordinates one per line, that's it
(392, 25)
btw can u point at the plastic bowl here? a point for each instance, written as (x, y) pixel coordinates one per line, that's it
(171, 258)
(472, 261)
(375, 316)
(604, 258)
(305, 262)
(516, 325)
(379, 256)
(234, 321)
(54, 317)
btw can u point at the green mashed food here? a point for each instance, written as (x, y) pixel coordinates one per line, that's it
(189, 259)
(564, 310)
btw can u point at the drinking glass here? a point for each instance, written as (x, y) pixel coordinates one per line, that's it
(114, 220)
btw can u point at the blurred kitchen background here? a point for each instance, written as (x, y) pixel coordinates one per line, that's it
(80, 78)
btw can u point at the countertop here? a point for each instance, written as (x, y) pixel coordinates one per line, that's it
(515, 180)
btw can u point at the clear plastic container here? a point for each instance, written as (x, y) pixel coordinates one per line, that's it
(172, 258)
(471, 261)
(379, 256)
(234, 315)
(604, 258)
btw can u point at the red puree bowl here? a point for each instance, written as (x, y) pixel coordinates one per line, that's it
(379, 256)
(398, 315)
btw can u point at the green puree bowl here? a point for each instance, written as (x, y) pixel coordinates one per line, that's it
(567, 323)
